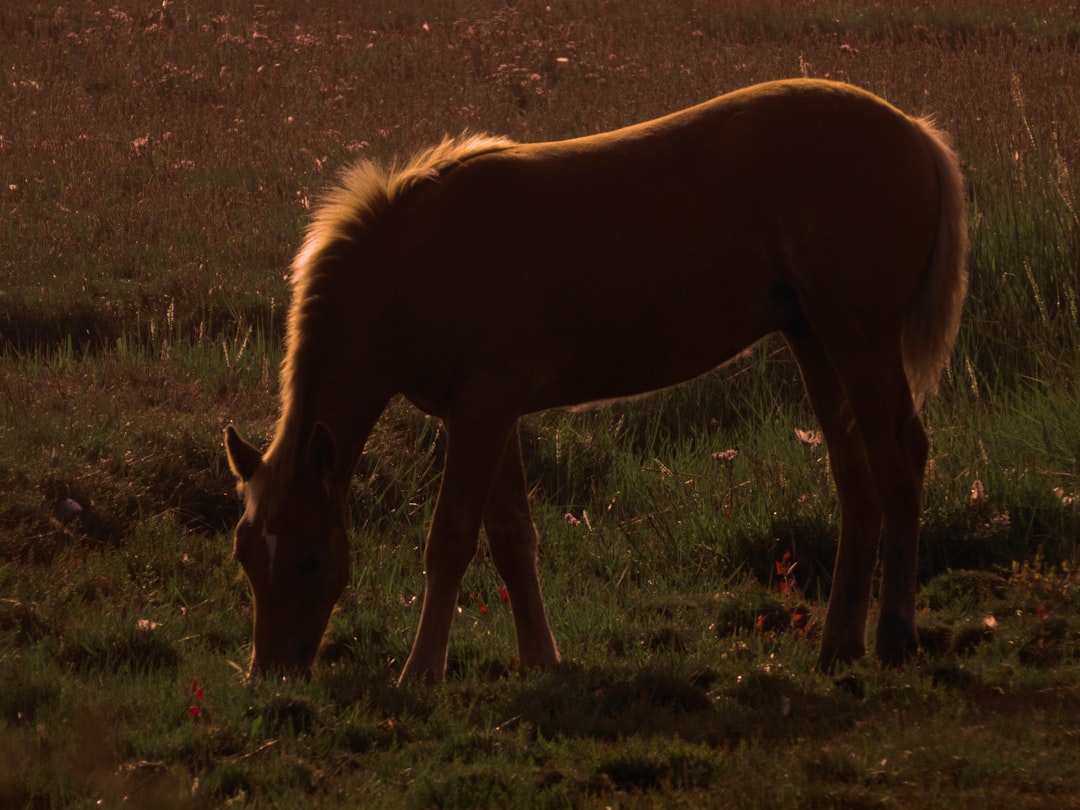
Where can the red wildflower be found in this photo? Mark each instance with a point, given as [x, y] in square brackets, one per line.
[784, 566]
[197, 711]
[800, 620]
[785, 572]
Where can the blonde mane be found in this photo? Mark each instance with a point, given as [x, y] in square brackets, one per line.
[366, 190]
[345, 213]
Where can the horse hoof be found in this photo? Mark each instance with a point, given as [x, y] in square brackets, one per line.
[829, 659]
[897, 641]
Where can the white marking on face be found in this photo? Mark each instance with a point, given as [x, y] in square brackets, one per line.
[271, 549]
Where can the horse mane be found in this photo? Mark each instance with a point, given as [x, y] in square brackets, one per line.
[366, 190]
[348, 210]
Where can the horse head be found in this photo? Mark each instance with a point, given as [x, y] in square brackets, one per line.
[292, 544]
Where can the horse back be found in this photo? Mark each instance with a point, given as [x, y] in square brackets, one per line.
[658, 251]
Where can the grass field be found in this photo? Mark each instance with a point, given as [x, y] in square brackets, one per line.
[157, 166]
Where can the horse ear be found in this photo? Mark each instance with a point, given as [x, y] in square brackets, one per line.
[322, 453]
[243, 458]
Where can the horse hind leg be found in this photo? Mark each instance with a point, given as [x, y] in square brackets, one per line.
[896, 451]
[844, 635]
[513, 543]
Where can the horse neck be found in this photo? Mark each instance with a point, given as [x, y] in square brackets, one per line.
[330, 375]
[348, 411]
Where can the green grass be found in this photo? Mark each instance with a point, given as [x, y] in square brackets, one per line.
[156, 173]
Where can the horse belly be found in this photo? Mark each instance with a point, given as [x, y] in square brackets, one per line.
[628, 350]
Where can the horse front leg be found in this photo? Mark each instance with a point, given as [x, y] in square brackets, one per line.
[513, 542]
[476, 441]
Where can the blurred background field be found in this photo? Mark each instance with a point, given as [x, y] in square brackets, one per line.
[158, 163]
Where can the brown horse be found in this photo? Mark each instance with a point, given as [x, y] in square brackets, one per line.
[808, 208]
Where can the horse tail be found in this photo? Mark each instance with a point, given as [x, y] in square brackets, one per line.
[933, 317]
